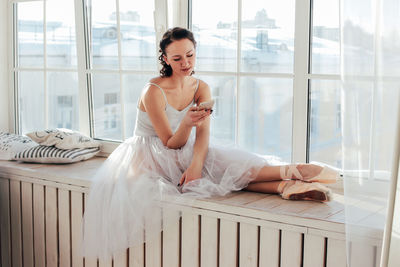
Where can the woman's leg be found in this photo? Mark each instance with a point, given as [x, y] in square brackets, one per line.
[273, 173]
[265, 187]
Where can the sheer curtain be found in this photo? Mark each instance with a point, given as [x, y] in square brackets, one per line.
[370, 57]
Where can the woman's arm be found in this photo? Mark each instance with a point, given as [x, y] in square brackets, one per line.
[200, 148]
[154, 103]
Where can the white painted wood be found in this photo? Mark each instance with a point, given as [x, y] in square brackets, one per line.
[5, 244]
[39, 225]
[336, 253]
[171, 241]
[136, 256]
[228, 242]
[89, 262]
[362, 254]
[314, 251]
[378, 256]
[105, 263]
[51, 226]
[269, 247]
[27, 224]
[248, 246]
[209, 242]
[291, 249]
[15, 204]
[153, 240]
[76, 229]
[190, 239]
[64, 228]
[120, 259]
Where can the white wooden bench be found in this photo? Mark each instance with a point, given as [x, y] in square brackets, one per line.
[41, 217]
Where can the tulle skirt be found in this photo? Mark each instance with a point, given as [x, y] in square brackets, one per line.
[130, 186]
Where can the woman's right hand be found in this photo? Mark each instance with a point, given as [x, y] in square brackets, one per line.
[194, 117]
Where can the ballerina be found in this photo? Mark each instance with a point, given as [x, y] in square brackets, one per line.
[164, 158]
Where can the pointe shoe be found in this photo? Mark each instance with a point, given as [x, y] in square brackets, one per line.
[299, 190]
[326, 176]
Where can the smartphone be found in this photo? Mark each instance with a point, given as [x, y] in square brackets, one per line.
[206, 105]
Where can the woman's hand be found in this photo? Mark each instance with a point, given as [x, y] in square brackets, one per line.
[195, 117]
[191, 173]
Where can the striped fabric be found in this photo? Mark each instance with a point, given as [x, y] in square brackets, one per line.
[51, 154]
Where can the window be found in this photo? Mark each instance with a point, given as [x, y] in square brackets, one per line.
[271, 67]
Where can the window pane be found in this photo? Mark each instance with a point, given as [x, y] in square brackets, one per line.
[265, 116]
[63, 100]
[138, 38]
[223, 123]
[107, 108]
[104, 34]
[60, 34]
[325, 37]
[30, 34]
[132, 86]
[216, 34]
[268, 36]
[31, 101]
[326, 122]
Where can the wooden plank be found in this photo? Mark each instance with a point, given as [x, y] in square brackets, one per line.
[64, 227]
[38, 225]
[16, 235]
[171, 241]
[136, 256]
[336, 253]
[291, 249]
[5, 228]
[106, 263]
[269, 247]
[89, 261]
[378, 256]
[209, 242]
[314, 251]
[228, 242]
[248, 245]
[76, 228]
[121, 259]
[190, 239]
[243, 198]
[153, 239]
[51, 226]
[27, 224]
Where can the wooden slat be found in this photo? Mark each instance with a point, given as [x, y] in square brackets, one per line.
[121, 259]
[291, 249]
[190, 239]
[228, 242]
[171, 218]
[51, 226]
[362, 254]
[336, 253]
[269, 247]
[38, 225]
[153, 239]
[27, 224]
[248, 245]
[89, 261]
[378, 256]
[16, 244]
[136, 256]
[64, 228]
[5, 244]
[209, 242]
[105, 263]
[76, 228]
[314, 251]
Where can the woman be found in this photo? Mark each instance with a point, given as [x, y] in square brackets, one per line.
[164, 159]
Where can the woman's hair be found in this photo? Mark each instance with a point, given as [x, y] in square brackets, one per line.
[174, 34]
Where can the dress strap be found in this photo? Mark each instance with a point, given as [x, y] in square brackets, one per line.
[162, 91]
[197, 87]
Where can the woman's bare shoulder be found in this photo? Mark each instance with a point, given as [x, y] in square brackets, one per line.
[203, 92]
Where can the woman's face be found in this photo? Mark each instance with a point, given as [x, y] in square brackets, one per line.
[181, 56]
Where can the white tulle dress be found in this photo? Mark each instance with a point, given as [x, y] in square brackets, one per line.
[141, 172]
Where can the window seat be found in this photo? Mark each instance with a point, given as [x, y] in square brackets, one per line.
[240, 229]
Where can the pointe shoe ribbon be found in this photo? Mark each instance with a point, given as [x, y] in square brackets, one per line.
[299, 190]
[327, 175]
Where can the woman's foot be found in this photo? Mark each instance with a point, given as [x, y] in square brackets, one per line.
[309, 173]
[299, 190]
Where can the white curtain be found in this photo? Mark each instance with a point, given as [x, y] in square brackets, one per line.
[370, 60]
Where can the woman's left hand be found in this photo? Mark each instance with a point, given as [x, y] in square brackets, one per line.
[191, 173]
